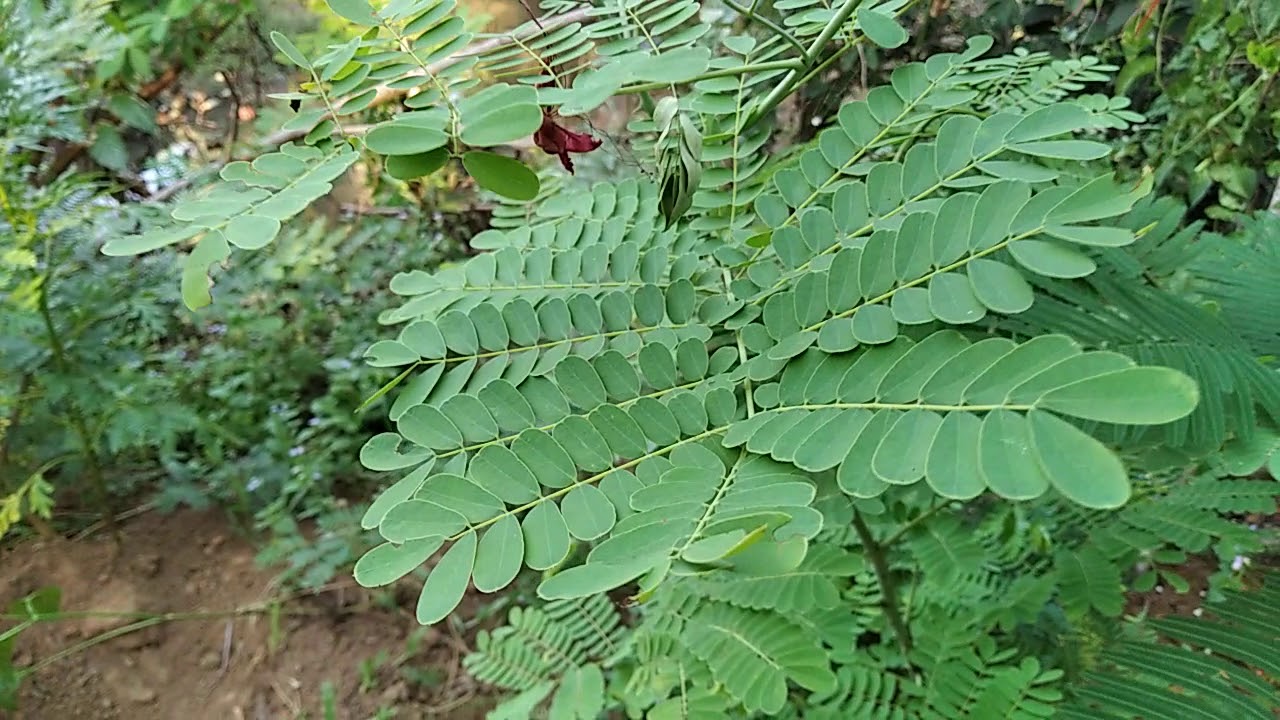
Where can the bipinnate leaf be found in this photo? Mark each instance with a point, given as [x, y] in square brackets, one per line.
[755, 655]
[1087, 579]
[246, 210]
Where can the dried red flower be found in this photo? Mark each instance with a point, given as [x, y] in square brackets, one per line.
[555, 139]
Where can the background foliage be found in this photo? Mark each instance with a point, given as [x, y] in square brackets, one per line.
[873, 403]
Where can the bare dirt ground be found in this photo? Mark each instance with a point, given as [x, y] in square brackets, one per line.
[249, 666]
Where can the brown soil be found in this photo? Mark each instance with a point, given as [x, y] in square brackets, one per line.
[1164, 601]
[232, 667]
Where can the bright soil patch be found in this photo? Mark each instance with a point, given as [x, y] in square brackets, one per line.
[226, 668]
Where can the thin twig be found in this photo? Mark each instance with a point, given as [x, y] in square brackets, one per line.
[233, 133]
[911, 524]
[119, 517]
[226, 647]
[532, 16]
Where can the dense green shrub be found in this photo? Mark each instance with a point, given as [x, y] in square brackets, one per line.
[1204, 74]
[214, 408]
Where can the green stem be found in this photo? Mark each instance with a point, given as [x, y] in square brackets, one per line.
[911, 524]
[455, 118]
[750, 14]
[830, 29]
[95, 640]
[790, 64]
[793, 79]
[888, 586]
[789, 83]
[1243, 97]
[148, 620]
[742, 356]
[816, 69]
[552, 497]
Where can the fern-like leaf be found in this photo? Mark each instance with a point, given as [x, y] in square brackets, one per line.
[1213, 668]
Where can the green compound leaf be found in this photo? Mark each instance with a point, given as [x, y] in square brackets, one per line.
[963, 417]
[757, 670]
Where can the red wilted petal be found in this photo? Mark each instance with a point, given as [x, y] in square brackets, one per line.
[559, 141]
